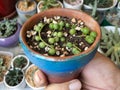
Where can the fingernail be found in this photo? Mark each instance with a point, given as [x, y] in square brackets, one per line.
[75, 85]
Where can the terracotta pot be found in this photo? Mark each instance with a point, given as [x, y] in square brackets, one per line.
[7, 7]
[60, 69]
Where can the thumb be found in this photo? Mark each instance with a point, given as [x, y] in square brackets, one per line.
[71, 85]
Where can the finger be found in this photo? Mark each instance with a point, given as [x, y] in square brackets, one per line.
[39, 79]
[71, 85]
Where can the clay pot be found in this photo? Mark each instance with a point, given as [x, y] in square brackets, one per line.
[61, 69]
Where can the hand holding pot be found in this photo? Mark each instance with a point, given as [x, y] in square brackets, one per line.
[100, 74]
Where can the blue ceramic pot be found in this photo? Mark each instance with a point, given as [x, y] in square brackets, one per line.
[60, 69]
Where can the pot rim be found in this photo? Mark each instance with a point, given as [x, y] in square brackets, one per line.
[84, 53]
[39, 10]
[81, 3]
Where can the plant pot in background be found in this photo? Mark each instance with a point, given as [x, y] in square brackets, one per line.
[14, 79]
[29, 77]
[12, 37]
[5, 65]
[60, 69]
[101, 8]
[7, 8]
[76, 4]
[99, 16]
[25, 12]
[48, 5]
[20, 61]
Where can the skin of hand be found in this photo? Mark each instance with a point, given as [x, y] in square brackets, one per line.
[99, 74]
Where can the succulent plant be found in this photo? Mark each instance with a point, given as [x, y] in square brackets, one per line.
[49, 4]
[110, 44]
[66, 36]
[20, 62]
[14, 77]
[8, 28]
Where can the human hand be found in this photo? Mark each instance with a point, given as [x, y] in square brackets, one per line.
[99, 74]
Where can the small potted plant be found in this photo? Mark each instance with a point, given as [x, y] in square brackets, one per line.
[29, 78]
[103, 5]
[5, 60]
[20, 61]
[97, 15]
[25, 9]
[73, 4]
[9, 32]
[60, 43]
[47, 4]
[14, 79]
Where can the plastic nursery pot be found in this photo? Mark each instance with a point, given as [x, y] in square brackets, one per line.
[38, 6]
[76, 6]
[61, 69]
[11, 40]
[25, 15]
[20, 85]
[9, 56]
[29, 79]
[23, 63]
[102, 9]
